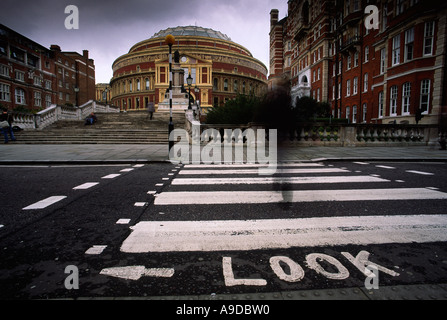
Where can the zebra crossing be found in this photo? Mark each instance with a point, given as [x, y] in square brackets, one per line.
[237, 186]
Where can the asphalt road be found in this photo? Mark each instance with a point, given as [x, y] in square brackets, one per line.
[107, 226]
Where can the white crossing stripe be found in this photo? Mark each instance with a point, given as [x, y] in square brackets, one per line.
[136, 272]
[239, 235]
[239, 197]
[255, 165]
[256, 171]
[420, 172]
[270, 180]
[86, 186]
[385, 167]
[97, 249]
[44, 203]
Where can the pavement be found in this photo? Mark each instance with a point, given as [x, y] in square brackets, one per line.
[20, 154]
[140, 153]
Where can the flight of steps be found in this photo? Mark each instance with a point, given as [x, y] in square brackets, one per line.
[111, 128]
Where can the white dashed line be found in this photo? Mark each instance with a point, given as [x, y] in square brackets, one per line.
[111, 176]
[385, 167]
[44, 203]
[140, 204]
[95, 250]
[127, 170]
[86, 186]
[123, 221]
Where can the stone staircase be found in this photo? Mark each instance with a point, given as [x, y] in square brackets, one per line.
[111, 128]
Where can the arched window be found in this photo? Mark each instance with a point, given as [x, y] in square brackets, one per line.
[148, 83]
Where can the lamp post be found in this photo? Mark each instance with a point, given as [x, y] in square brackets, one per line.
[170, 40]
[189, 82]
[76, 90]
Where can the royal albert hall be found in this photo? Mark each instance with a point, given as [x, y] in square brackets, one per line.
[220, 68]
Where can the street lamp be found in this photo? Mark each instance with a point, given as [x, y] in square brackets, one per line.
[170, 40]
[189, 82]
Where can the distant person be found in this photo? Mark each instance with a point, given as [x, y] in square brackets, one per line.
[151, 109]
[91, 119]
[6, 121]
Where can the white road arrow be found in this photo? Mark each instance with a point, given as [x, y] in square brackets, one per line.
[136, 272]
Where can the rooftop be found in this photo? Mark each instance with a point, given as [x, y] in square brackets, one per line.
[191, 31]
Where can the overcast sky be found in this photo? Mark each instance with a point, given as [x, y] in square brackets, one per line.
[109, 28]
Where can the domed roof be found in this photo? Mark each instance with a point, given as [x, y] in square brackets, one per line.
[191, 31]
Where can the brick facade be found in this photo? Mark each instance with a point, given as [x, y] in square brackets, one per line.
[33, 77]
[369, 75]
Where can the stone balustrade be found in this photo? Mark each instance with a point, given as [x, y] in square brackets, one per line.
[55, 113]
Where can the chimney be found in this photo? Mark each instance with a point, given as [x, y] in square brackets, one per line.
[274, 13]
[85, 54]
[55, 47]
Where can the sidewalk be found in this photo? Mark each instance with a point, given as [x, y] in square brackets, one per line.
[141, 153]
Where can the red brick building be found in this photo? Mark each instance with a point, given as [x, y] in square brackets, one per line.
[33, 77]
[367, 75]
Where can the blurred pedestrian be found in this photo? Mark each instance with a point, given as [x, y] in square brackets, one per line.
[6, 121]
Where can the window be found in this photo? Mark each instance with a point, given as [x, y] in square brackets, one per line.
[318, 95]
[366, 54]
[356, 59]
[406, 92]
[399, 7]
[235, 86]
[425, 96]
[130, 86]
[382, 61]
[215, 84]
[148, 83]
[348, 64]
[364, 112]
[380, 104]
[20, 76]
[355, 85]
[37, 99]
[138, 85]
[47, 101]
[226, 85]
[20, 96]
[365, 82]
[348, 88]
[5, 92]
[428, 38]
[396, 50]
[4, 70]
[48, 84]
[409, 44]
[354, 114]
[393, 101]
[348, 113]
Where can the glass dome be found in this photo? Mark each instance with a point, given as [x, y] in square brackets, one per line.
[191, 31]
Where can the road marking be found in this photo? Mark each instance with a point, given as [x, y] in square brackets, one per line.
[269, 180]
[242, 235]
[254, 165]
[138, 166]
[111, 176]
[136, 272]
[1, 225]
[385, 167]
[44, 203]
[95, 250]
[238, 197]
[123, 221]
[420, 172]
[256, 171]
[152, 192]
[361, 163]
[127, 170]
[159, 184]
[86, 186]
[140, 204]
